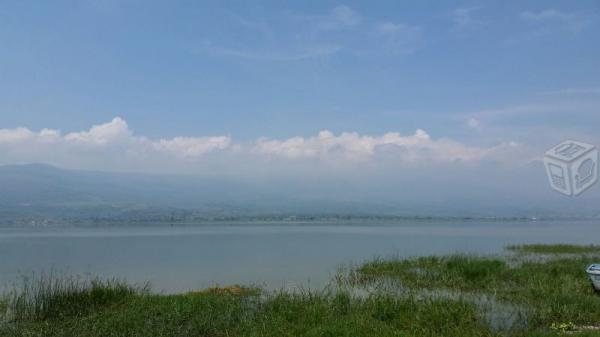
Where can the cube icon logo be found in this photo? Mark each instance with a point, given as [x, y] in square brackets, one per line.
[572, 167]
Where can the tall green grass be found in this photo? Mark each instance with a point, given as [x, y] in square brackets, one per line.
[49, 296]
[306, 313]
[342, 314]
[457, 272]
[554, 291]
[3, 308]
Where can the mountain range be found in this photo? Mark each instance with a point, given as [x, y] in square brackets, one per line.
[39, 193]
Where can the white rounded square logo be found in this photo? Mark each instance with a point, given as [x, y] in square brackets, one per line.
[572, 167]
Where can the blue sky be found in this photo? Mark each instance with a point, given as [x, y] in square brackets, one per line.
[283, 69]
[379, 101]
[388, 101]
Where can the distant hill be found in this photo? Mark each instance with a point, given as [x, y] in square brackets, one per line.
[41, 193]
[39, 184]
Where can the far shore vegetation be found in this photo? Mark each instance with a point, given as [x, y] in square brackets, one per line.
[554, 249]
[533, 290]
[158, 217]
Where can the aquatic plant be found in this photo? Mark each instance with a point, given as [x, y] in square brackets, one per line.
[54, 296]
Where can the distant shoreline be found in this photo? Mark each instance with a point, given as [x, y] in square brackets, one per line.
[275, 219]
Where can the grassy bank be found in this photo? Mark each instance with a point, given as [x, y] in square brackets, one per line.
[428, 296]
[254, 313]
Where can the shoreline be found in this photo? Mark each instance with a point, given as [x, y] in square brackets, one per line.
[533, 290]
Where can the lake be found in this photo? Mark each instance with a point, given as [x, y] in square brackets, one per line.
[175, 259]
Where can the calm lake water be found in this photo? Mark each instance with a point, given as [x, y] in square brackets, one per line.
[175, 259]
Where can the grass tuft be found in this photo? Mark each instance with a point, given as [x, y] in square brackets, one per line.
[50, 296]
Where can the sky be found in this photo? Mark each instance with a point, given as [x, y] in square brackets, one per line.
[306, 89]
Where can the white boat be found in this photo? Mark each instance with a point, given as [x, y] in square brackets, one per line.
[593, 271]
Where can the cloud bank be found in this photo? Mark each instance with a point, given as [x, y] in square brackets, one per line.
[408, 172]
[114, 146]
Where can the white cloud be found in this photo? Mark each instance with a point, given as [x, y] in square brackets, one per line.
[400, 37]
[190, 147]
[570, 21]
[463, 17]
[419, 147]
[546, 15]
[474, 123]
[539, 124]
[103, 146]
[14, 135]
[297, 37]
[344, 15]
[102, 134]
[114, 146]
[340, 17]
